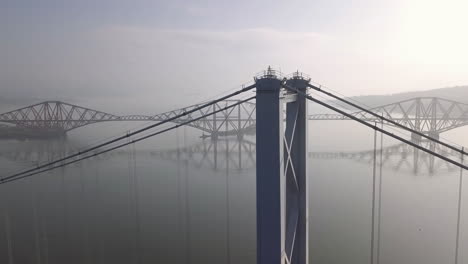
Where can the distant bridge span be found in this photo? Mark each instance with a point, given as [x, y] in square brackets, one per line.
[429, 115]
[54, 118]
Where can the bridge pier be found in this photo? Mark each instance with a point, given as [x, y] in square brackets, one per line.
[282, 200]
[240, 135]
[434, 134]
[417, 138]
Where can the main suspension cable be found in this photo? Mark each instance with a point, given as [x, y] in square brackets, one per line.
[146, 122]
[290, 88]
[342, 105]
[79, 153]
[387, 119]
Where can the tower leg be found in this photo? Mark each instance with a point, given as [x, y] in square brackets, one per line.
[296, 233]
[269, 171]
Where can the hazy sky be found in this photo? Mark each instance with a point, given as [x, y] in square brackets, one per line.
[159, 51]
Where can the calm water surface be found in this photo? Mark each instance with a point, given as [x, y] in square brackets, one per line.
[180, 199]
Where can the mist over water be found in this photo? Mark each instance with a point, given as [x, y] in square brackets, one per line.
[181, 199]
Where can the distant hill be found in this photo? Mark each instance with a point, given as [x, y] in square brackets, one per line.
[458, 93]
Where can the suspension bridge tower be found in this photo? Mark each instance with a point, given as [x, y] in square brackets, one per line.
[282, 195]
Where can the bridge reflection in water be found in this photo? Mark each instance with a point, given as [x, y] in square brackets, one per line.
[239, 154]
[398, 157]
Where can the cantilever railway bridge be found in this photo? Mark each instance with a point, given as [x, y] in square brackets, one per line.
[57, 118]
[429, 115]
